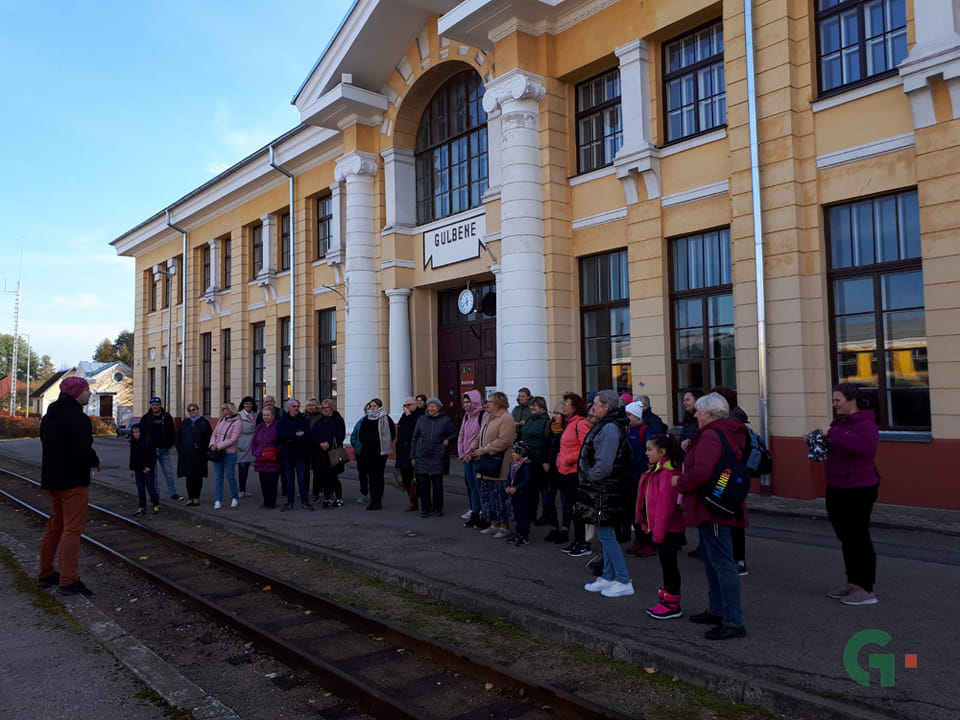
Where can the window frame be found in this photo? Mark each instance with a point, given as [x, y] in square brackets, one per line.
[226, 356]
[599, 109]
[875, 271]
[284, 359]
[206, 279]
[425, 150]
[286, 241]
[324, 225]
[151, 292]
[258, 343]
[843, 6]
[704, 293]
[227, 262]
[327, 348]
[206, 372]
[152, 382]
[693, 69]
[609, 306]
[256, 250]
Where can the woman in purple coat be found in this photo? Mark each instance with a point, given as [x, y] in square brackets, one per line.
[266, 456]
[852, 484]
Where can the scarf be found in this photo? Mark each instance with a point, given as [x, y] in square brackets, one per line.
[379, 415]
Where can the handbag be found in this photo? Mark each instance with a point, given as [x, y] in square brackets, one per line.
[338, 455]
[214, 455]
[269, 454]
[490, 465]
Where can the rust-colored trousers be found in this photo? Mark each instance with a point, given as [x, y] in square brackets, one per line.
[68, 518]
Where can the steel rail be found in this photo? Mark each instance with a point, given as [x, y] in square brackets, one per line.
[560, 703]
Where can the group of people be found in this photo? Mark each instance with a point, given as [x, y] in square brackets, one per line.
[610, 464]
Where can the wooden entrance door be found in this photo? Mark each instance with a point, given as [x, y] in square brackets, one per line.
[106, 406]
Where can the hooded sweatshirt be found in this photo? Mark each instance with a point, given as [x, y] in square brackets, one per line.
[470, 427]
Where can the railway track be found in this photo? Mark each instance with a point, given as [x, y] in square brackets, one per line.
[382, 668]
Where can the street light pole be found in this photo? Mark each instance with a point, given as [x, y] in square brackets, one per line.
[169, 273]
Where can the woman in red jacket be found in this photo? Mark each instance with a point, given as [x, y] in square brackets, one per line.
[571, 440]
[716, 546]
[852, 484]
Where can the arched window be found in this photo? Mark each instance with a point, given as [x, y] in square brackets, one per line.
[451, 149]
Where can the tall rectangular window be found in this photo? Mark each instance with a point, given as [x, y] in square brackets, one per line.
[259, 362]
[226, 355]
[877, 306]
[167, 289]
[324, 224]
[206, 278]
[599, 122]
[327, 353]
[151, 286]
[285, 340]
[256, 235]
[179, 281]
[152, 382]
[695, 96]
[605, 322]
[227, 262]
[286, 245]
[206, 372]
[859, 40]
[701, 300]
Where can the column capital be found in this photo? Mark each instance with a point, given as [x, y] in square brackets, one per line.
[634, 51]
[355, 163]
[398, 294]
[514, 85]
[496, 269]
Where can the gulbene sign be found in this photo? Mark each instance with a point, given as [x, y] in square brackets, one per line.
[454, 242]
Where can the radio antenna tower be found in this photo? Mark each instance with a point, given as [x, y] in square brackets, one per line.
[16, 335]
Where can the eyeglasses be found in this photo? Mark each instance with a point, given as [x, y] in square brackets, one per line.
[409, 404]
[192, 409]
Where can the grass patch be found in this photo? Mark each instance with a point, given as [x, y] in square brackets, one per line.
[41, 599]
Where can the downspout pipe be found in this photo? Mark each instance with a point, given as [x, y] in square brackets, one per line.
[183, 301]
[293, 270]
[763, 430]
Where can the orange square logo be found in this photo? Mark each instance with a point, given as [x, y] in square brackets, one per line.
[910, 660]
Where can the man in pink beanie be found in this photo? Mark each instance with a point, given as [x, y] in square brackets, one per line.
[66, 437]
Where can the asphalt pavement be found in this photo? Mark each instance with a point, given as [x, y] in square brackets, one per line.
[792, 659]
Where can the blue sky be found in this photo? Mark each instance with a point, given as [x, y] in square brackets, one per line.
[111, 111]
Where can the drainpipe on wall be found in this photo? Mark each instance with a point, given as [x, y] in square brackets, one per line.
[293, 271]
[181, 397]
[757, 229]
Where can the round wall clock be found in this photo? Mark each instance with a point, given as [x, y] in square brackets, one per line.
[466, 301]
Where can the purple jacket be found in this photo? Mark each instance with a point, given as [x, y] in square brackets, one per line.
[852, 456]
[265, 436]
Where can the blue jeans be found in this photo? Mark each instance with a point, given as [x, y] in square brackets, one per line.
[228, 467]
[296, 468]
[473, 485]
[614, 565]
[716, 551]
[163, 463]
[147, 482]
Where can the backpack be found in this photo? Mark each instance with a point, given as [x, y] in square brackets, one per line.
[756, 455]
[729, 484]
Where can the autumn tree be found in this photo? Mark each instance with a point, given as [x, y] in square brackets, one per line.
[106, 351]
[40, 367]
[124, 347]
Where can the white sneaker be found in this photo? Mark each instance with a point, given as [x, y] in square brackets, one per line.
[362, 499]
[234, 502]
[599, 585]
[492, 530]
[502, 534]
[467, 514]
[618, 589]
[217, 505]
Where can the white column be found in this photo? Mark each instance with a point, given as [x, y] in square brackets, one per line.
[361, 367]
[400, 187]
[214, 266]
[522, 312]
[269, 244]
[401, 376]
[635, 94]
[935, 55]
[496, 270]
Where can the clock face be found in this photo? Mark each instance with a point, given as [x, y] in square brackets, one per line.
[465, 302]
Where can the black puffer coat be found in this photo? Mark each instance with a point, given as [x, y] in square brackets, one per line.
[604, 496]
[428, 449]
[66, 437]
[193, 439]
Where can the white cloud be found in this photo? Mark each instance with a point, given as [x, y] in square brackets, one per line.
[215, 169]
[85, 301]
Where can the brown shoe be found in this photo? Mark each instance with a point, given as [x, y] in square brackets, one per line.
[412, 507]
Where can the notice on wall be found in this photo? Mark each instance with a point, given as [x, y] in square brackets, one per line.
[454, 242]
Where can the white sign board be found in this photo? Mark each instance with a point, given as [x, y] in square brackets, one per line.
[454, 242]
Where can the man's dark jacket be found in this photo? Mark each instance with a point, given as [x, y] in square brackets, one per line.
[159, 428]
[66, 437]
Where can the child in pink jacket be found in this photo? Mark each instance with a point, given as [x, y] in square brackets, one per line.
[660, 514]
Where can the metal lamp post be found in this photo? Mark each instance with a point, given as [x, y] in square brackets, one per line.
[169, 273]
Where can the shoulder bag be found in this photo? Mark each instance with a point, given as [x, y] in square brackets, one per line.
[337, 455]
[490, 465]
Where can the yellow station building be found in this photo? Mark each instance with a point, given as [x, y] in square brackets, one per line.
[570, 195]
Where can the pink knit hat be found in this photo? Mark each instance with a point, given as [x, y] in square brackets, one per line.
[74, 386]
